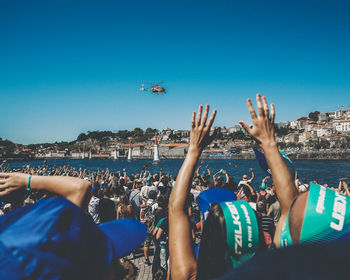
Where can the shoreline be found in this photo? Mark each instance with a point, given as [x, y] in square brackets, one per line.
[341, 156]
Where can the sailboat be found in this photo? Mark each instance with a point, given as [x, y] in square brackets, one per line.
[156, 150]
[130, 152]
[115, 152]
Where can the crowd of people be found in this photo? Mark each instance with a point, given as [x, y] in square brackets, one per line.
[186, 243]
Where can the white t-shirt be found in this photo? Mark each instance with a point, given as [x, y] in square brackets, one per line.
[244, 182]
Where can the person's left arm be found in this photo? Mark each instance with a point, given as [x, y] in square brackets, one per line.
[182, 260]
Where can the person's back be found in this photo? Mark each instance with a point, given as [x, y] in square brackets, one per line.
[125, 209]
[275, 211]
[135, 200]
[93, 207]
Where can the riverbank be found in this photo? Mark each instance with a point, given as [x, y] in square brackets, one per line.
[312, 155]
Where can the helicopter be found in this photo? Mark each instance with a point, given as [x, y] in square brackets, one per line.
[156, 89]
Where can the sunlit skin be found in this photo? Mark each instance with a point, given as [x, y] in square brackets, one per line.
[183, 264]
[296, 216]
[263, 132]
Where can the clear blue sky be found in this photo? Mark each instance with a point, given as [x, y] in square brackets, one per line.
[67, 67]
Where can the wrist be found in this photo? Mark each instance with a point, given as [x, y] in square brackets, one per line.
[269, 146]
[194, 151]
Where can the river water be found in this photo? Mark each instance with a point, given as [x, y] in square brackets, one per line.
[326, 172]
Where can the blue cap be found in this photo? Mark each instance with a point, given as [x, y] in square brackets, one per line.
[210, 196]
[55, 239]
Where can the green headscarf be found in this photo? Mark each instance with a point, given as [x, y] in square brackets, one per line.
[326, 218]
[242, 232]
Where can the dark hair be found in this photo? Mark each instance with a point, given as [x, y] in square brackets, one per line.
[213, 247]
[100, 193]
[95, 190]
[161, 274]
[152, 194]
[165, 181]
[163, 201]
[213, 250]
[247, 192]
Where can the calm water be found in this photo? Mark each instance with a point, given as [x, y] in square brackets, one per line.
[326, 172]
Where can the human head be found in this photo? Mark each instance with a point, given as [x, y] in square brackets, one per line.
[317, 216]
[152, 194]
[218, 251]
[245, 177]
[163, 201]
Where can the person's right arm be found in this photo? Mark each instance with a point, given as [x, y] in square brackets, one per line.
[76, 190]
[263, 131]
[265, 179]
[252, 174]
[226, 176]
[208, 170]
[346, 187]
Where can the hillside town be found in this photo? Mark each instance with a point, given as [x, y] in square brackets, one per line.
[318, 132]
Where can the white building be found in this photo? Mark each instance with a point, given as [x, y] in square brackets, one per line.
[323, 131]
[343, 126]
[234, 128]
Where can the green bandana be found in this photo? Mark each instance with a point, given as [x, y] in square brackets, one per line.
[242, 230]
[326, 218]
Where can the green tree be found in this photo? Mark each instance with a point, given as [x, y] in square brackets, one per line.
[82, 137]
[314, 116]
[137, 132]
[150, 131]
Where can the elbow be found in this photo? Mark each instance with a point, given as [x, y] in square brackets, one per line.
[171, 204]
[82, 194]
[175, 204]
[184, 273]
[84, 188]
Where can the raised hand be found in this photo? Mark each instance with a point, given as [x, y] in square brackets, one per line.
[200, 131]
[264, 132]
[263, 124]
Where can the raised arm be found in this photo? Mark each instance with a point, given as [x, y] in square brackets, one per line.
[226, 176]
[346, 187]
[265, 179]
[263, 131]
[208, 170]
[214, 177]
[339, 186]
[253, 175]
[182, 260]
[197, 172]
[74, 189]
